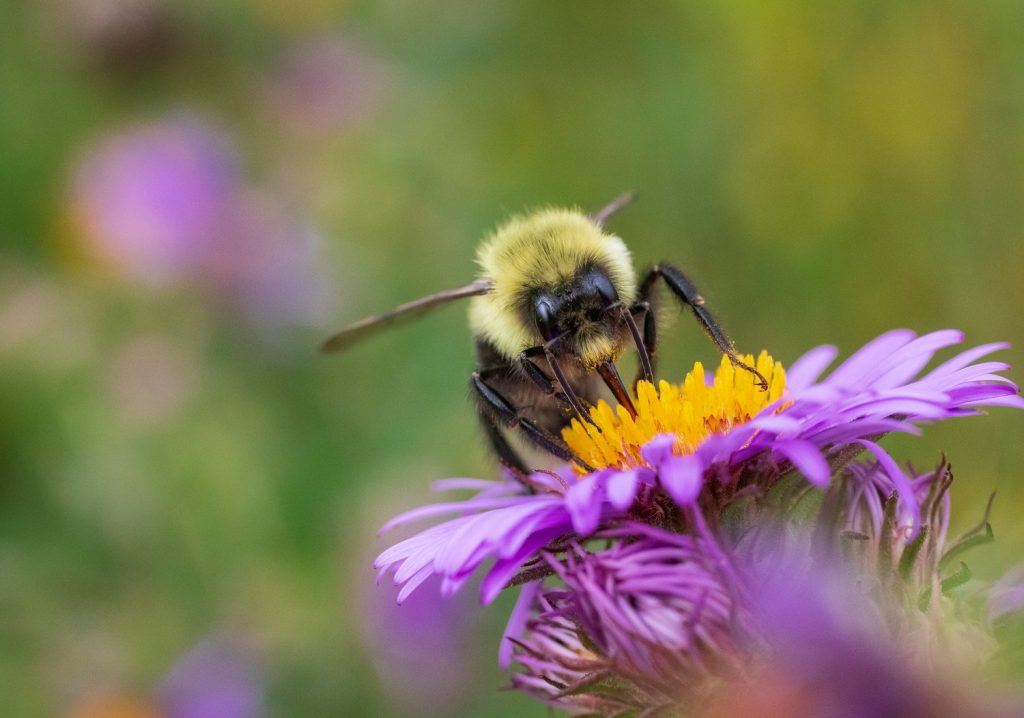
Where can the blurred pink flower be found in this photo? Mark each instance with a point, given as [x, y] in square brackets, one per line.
[321, 85]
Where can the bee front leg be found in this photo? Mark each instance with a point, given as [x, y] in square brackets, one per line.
[539, 377]
[499, 410]
[685, 291]
[645, 339]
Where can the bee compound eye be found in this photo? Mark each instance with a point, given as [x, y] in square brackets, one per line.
[544, 312]
[601, 285]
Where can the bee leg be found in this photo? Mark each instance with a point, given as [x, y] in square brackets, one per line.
[687, 293]
[500, 410]
[582, 413]
[507, 455]
[539, 377]
[645, 342]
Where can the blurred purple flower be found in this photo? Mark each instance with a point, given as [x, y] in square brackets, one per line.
[216, 679]
[1007, 595]
[152, 199]
[165, 203]
[818, 427]
[421, 650]
[821, 643]
[266, 265]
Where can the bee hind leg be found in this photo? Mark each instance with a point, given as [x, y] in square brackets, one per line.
[507, 456]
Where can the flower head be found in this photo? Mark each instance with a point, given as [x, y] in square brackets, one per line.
[655, 613]
[691, 412]
[728, 540]
[812, 429]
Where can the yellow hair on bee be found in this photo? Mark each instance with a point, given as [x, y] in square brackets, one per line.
[546, 249]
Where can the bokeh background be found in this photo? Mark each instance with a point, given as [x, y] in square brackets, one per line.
[195, 193]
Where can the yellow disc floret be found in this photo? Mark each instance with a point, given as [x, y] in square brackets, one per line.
[692, 411]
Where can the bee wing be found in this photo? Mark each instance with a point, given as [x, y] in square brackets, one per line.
[402, 313]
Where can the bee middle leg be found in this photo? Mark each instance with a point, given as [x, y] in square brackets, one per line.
[497, 410]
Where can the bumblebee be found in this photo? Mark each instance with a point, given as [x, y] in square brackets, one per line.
[556, 304]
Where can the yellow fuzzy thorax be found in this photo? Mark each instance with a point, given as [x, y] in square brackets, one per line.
[545, 248]
[692, 411]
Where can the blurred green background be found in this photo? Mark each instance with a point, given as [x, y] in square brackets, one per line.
[194, 194]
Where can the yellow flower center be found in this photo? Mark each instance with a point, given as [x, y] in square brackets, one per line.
[692, 411]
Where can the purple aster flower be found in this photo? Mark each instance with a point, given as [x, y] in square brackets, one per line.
[660, 623]
[711, 443]
[654, 617]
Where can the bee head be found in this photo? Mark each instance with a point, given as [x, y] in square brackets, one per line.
[577, 317]
[553, 274]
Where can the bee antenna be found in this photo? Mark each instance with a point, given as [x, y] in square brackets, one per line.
[604, 214]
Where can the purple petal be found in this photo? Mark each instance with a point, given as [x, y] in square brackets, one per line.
[517, 622]
[622, 486]
[583, 501]
[413, 583]
[1016, 402]
[891, 406]
[474, 504]
[980, 393]
[807, 458]
[503, 571]
[964, 358]
[901, 482]
[775, 423]
[658, 449]
[682, 477]
[868, 357]
[806, 370]
[910, 360]
[847, 432]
